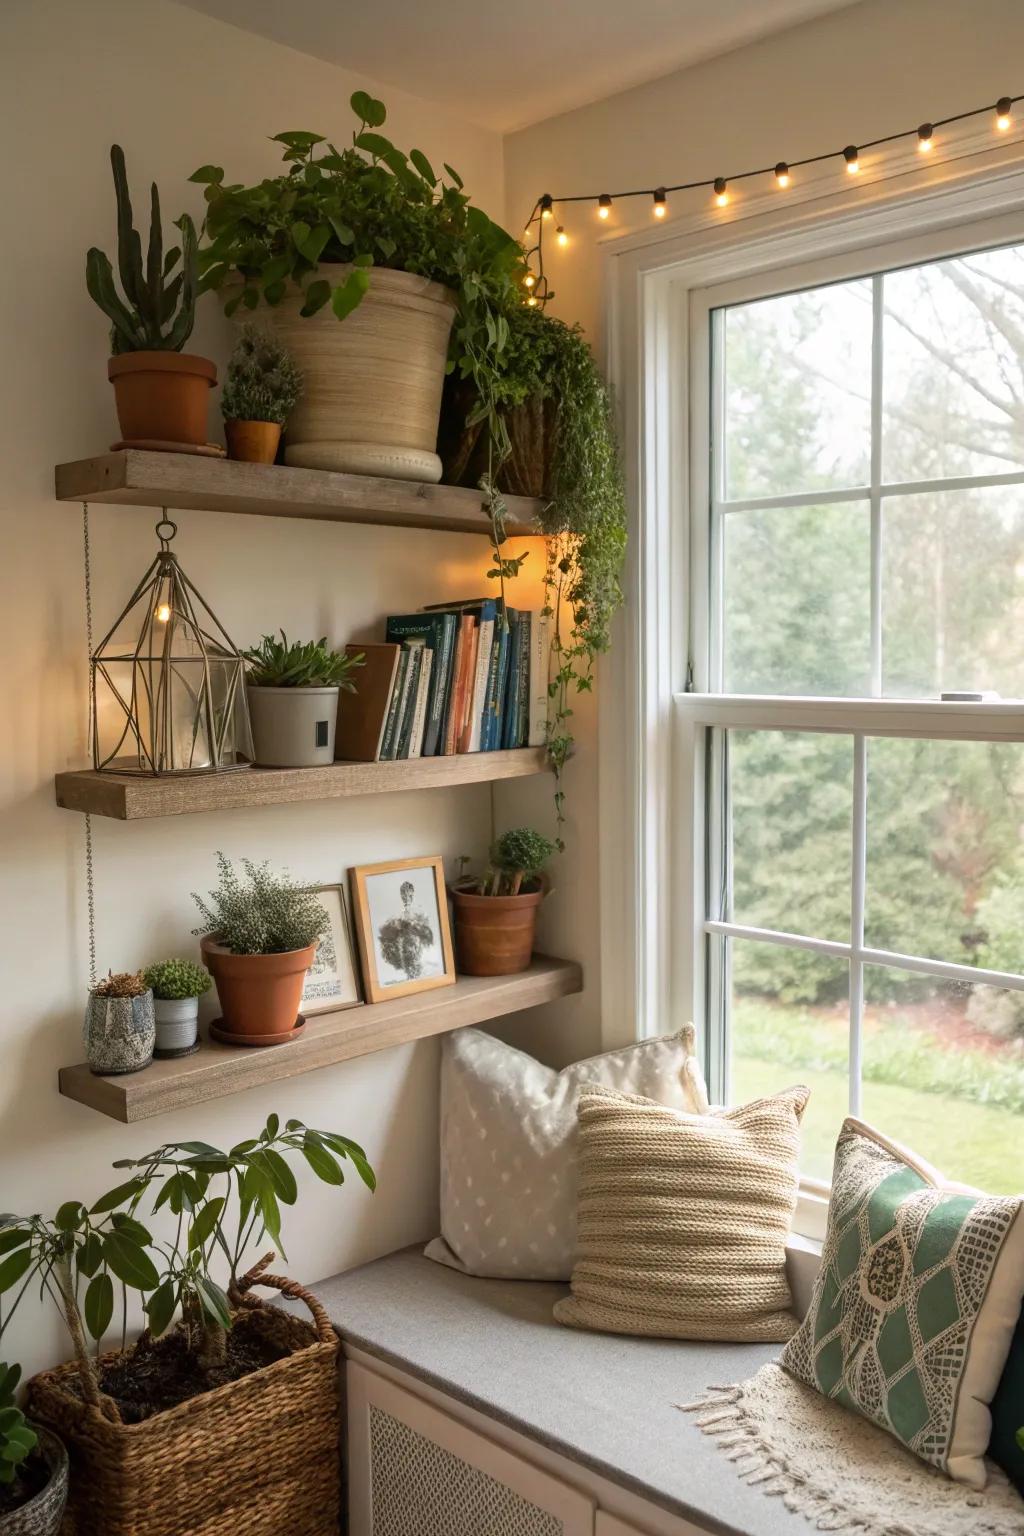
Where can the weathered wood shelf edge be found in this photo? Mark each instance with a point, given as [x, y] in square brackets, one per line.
[138, 478]
[126, 797]
[217, 1070]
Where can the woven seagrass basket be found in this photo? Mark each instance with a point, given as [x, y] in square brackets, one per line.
[256, 1457]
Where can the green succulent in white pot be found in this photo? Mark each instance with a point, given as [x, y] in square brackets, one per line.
[294, 689]
[177, 986]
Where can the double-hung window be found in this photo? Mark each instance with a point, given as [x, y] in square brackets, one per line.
[854, 702]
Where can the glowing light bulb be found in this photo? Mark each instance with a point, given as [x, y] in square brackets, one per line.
[604, 206]
[660, 204]
[561, 236]
[782, 174]
[852, 159]
[546, 213]
[721, 191]
[532, 301]
[529, 280]
[163, 613]
[925, 138]
[1003, 118]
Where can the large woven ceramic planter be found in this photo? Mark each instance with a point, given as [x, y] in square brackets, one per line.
[371, 392]
[42, 1515]
[259, 1456]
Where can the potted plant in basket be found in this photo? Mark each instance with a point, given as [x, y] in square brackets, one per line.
[293, 691]
[177, 986]
[496, 914]
[33, 1468]
[259, 938]
[373, 238]
[224, 1416]
[120, 1028]
[259, 395]
[161, 392]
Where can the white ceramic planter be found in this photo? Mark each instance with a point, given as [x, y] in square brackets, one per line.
[293, 727]
[177, 1025]
[371, 391]
[120, 1033]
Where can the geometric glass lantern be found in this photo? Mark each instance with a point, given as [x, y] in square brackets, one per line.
[168, 685]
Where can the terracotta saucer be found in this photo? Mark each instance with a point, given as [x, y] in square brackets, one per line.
[230, 1037]
[155, 445]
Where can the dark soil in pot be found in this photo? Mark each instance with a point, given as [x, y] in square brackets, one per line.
[31, 1478]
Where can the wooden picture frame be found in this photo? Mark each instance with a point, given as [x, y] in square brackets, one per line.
[405, 942]
[340, 985]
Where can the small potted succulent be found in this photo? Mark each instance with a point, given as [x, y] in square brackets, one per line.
[496, 913]
[120, 1027]
[33, 1469]
[177, 986]
[161, 392]
[293, 691]
[258, 938]
[260, 391]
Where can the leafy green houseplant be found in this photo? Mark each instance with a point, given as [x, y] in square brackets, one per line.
[120, 1028]
[294, 690]
[496, 912]
[259, 936]
[160, 391]
[177, 986]
[259, 394]
[178, 1233]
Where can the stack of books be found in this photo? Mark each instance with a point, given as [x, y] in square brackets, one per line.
[457, 677]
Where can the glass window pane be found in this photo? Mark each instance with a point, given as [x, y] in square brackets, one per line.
[790, 799]
[797, 599]
[944, 1075]
[953, 593]
[945, 870]
[954, 367]
[789, 1023]
[798, 392]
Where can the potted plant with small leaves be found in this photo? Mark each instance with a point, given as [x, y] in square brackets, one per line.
[120, 1026]
[33, 1468]
[259, 937]
[224, 1416]
[161, 393]
[496, 913]
[177, 986]
[259, 394]
[294, 689]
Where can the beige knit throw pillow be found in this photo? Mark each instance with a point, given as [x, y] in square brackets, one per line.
[682, 1219]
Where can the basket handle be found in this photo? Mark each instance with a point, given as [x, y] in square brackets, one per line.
[291, 1288]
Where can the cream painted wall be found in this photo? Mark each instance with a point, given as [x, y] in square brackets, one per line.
[176, 89]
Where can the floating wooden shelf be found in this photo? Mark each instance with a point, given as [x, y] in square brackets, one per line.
[128, 798]
[219, 1070]
[138, 478]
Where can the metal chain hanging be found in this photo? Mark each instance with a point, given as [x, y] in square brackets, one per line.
[90, 894]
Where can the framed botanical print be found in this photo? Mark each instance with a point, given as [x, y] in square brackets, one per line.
[332, 981]
[401, 913]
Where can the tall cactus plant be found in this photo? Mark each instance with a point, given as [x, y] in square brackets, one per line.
[158, 310]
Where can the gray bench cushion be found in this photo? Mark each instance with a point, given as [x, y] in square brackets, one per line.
[604, 1401]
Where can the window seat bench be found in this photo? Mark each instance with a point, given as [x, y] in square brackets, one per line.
[467, 1400]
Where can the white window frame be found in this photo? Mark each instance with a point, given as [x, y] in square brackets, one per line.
[653, 733]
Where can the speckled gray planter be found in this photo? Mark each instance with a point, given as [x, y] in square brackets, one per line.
[120, 1033]
[42, 1515]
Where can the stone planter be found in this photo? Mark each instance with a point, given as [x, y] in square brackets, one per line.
[293, 727]
[177, 1026]
[42, 1515]
[372, 383]
[120, 1033]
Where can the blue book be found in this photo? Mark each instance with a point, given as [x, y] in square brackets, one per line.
[501, 690]
[507, 718]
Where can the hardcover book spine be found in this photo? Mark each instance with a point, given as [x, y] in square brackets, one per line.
[522, 713]
[419, 719]
[469, 688]
[485, 645]
[442, 687]
[387, 750]
[453, 719]
[540, 662]
[507, 713]
[416, 648]
[490, 711]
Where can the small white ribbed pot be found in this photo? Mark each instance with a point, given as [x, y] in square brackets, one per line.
[177, 1025]
[293, 727]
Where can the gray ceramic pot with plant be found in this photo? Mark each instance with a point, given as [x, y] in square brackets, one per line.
[177, 986]
[293, 692]
[33, 1468]
[120, 1025]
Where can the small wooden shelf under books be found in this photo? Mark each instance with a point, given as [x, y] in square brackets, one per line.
[217, 1070]
[127, 797]
[139, 478]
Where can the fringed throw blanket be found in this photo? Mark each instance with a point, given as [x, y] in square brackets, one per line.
[841, 1472]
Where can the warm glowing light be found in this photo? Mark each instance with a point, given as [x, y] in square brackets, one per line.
[852, 159]
[529, 280]
[532, 301]
[561, 236]
[1003, 118]
[163, 613]
[925, 137]
[721, 191]
[546, 213]
[782, 174]
[660, 204]
[604, 206]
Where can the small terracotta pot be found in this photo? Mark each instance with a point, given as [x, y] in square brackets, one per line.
[259, 994]
[162, 395]
[494, 934]
[252, 442]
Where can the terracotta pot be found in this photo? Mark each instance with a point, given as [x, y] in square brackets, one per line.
[494, 934]
[371, 384]
[162, 395]
[259, 994]
[252, 442]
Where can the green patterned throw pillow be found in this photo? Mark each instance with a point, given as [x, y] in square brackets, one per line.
[915, 1303]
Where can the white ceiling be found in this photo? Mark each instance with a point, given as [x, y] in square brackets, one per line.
[507, 63]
